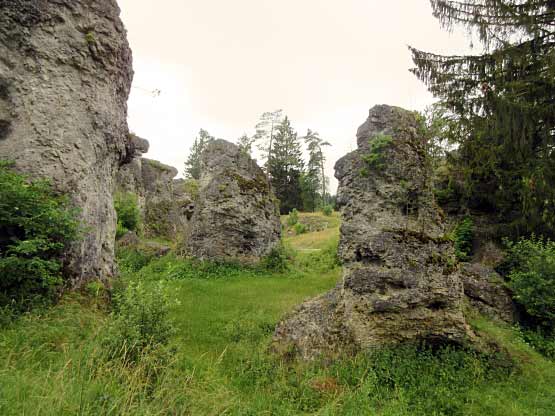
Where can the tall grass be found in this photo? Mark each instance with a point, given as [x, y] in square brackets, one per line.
[217, 361]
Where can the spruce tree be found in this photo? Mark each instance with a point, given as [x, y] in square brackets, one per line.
[193, 163]
[504, 103]
[285, 167]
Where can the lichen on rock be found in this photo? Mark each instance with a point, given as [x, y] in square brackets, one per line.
[400, 283]
[235, 218]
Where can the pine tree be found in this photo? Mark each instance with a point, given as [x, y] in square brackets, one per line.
[504, 103]
[314, 180]
[193, 164]
[285, 167]
[266, 130]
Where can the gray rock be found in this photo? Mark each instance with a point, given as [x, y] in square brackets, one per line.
[487, 292]
[65, 75]
[236, 217]
[165, 205]
[400, 282]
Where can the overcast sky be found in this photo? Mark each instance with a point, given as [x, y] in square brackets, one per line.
[219, 64]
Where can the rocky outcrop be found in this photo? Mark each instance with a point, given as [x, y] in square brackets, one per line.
[166, 205]
[236, 217]
[65, 75]
[399, 282]
[487, 292]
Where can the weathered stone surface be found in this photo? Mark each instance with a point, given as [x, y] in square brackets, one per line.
[166, 206]
[399, 282]
[487, 292]
[65, 74]
[236, 217]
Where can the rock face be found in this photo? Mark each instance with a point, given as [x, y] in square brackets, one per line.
[399, 281]
[165, 204]
[236, 217]
[486, 291]
[65, 74]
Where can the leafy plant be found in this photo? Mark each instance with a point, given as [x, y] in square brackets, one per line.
[532, 278]
[327, 210]
[293, 217]
[140, 321]
[277, 260]
[129, 215]
[300, 228]
[463, 236]
[36, 228]
[375, 157]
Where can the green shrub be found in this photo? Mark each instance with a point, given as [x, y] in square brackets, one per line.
[293, 217]
[462, 237]
[277, 260]
[374, 159]
[541, 341]
[300, 228]
[327, 210]
[140, 321]
[129, 215]
[36, 228]
[532, 278]
[133, 259]
[191, 187]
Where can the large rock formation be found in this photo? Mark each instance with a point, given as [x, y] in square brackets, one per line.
[65, 74]
[165, 204]
[400, 283]
[236, 217]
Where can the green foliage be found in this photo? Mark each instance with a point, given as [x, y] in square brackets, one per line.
[133, 259]
[462, 237]
[532, 278]
[327, 210]
[293, 217]
[36, 228]
[277, 260]
[90, 38]
[502, 103]
[191, 187]
[285, 167]
[300, 228]
[193, 165]
[540, 340]
[129, 215]
[140, 320]
[375, 158]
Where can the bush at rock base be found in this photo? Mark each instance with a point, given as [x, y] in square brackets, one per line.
[36, 227]
[532, 278]
[129, 215]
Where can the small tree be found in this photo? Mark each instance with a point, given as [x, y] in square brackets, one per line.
[245, 144]
[193, 163]
[316, 180]
[36, 228]
[266, 129]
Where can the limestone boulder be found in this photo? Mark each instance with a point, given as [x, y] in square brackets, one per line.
[165, 203]
[400, 282]
[236, 217]
[487, 292]
[65, 75]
